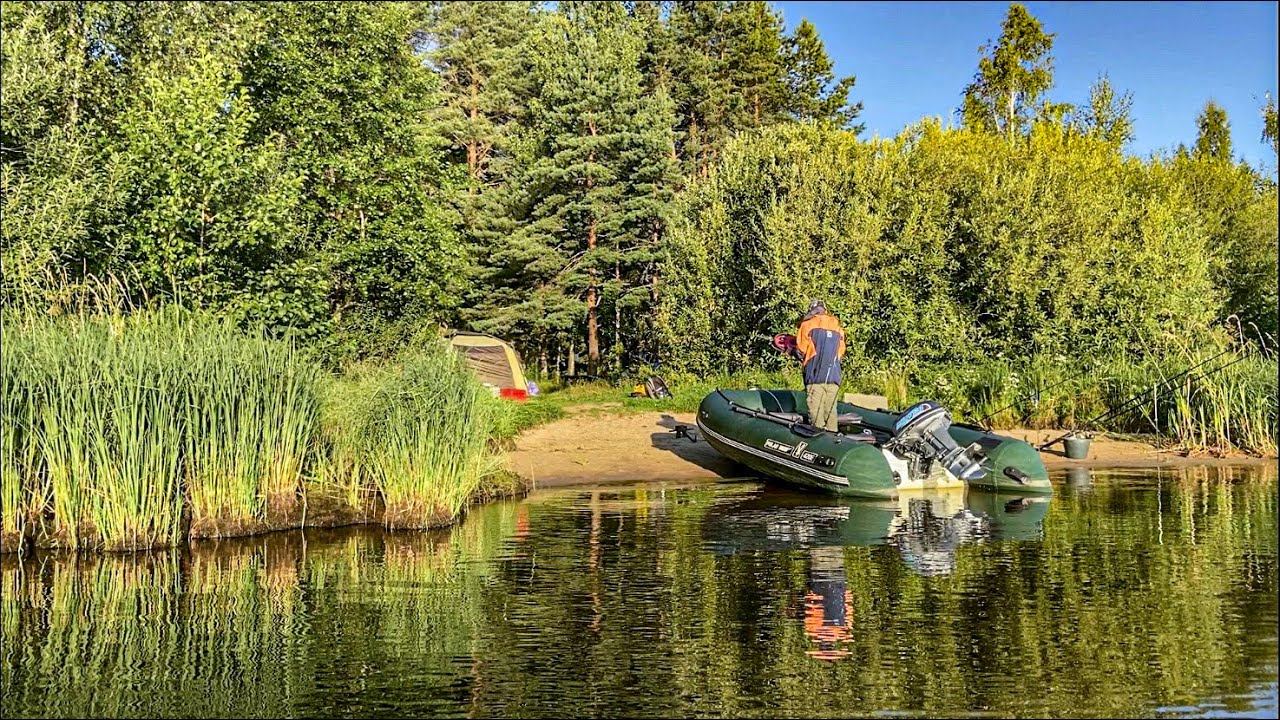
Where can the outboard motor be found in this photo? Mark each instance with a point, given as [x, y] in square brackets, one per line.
[921, 434]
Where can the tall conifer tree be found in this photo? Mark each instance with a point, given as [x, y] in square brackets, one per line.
[813, 91]
[1214, 137]
[600, 177]
[474, 48]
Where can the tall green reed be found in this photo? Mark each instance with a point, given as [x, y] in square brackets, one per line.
[417, 430]
[1233, 407]
[252, 417]
[114, 423]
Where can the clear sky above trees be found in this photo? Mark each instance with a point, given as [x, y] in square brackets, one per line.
[914, 59]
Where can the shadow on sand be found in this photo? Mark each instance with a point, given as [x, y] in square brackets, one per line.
[693, 448]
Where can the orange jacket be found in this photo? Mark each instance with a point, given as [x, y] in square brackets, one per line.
[820, 340]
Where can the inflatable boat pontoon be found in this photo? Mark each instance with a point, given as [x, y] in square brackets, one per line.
[875, 454]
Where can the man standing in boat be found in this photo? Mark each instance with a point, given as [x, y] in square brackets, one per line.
[820, 345]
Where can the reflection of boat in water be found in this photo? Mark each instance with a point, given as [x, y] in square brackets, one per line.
[920, 522]
[927, 529]
[927, 532]
[1012, 517]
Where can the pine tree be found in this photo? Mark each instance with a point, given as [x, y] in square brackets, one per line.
[1108, 115]
[599, 182]
[754, 64]
[474, 50]
[1012, 75]
[814, 93]
[1214, 139]
[701, 91]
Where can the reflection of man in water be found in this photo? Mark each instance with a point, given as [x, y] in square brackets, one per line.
[828, 606]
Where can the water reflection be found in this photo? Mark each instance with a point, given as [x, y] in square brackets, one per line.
[1137, 593]
[828, 604]
[926, 529]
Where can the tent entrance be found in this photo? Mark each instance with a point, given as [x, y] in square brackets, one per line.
[490, 364]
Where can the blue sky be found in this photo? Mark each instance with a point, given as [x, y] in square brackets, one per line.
[913, 59]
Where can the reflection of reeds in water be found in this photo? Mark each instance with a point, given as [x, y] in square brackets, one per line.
[1138, 593]
[79, 620]
[223, 627]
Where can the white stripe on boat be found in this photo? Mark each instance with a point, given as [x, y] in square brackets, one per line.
[833, 479]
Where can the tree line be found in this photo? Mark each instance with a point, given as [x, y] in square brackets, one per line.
[355, 172]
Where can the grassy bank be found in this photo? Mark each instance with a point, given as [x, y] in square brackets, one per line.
[131, 431]
[1176, 397]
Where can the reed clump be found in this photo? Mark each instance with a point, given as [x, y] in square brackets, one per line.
[1209, 398]
[418, 432]
[122, 428]
[134, 430]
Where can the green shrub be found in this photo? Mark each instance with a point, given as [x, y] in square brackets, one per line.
[947, 246]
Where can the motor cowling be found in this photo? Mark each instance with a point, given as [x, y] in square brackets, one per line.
[922, 430]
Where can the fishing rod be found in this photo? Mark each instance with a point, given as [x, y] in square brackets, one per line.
[983, 420]
[1139, 397]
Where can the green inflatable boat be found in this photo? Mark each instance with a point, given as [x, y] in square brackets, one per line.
[876, 453]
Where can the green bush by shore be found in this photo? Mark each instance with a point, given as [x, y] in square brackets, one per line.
[132, 431]
[953, 247]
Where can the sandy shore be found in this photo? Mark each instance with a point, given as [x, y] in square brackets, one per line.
[589, 447]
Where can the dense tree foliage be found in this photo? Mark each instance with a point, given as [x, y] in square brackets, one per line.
[943, 245]
[1214, 138]
[274, 161]
[601, 112]
[612, 184]
[1107, 115]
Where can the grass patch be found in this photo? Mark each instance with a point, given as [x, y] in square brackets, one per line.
[1231, 409]
[687, 391]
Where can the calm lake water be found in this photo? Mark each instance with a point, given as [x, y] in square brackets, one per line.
[1128, 593]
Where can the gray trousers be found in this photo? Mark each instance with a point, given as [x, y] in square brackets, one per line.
[822, 405]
